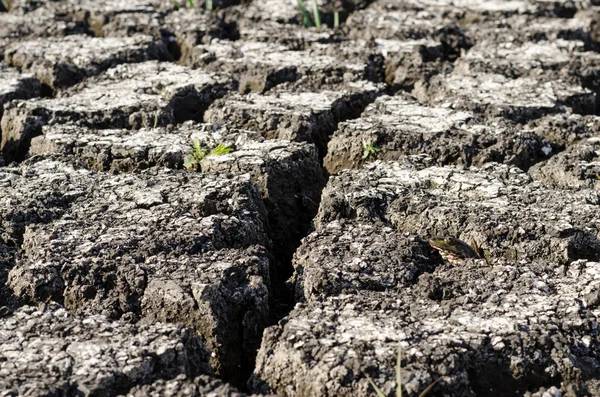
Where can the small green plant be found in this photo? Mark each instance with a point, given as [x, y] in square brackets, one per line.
[316, 14]
[307, 21]
[380, 393]
[176, 5]
[369, 148]
[209, 5]
[4, 4]
[336, 19]
[191, 4]
[220, 150]
[198, 152]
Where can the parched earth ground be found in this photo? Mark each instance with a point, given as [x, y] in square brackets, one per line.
[296, 264]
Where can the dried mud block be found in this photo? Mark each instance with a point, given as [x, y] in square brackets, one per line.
[532, 28]
[305, 116]
[128, 96]
[565, 129]
[507, 329]
[576, 167]
[161, 244]
[284, 34]
[51, 352]
[290, 177]
[407, 62]
[491, 9]
[288, 174]
[399, 25]
[544, 60]
[399, 126]
[261, 66]
[115, 17]
[287, 11]
[515, 60]
[224, 295]
[497, 206]
[494, 95]
[400, 63]
[63, 62]
[344, 257]
[37, 194]
[7, 259]
[41, 22]
[191, 27]
[129, 150]
[201, 386]
[14, 85]
[407, 25]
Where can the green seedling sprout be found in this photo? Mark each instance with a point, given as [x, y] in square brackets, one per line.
[220, 150]
[336, 19]
[4, 4]
[369, 148]
[209, 5]
[198, 153]
[190, 3]
[305, 16]
[316, 14]
[380, 393]
[306, 20]
[176, 5]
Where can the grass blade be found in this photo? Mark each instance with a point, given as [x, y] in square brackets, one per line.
[377, 390]
[209, 5]
[305, 15]
[316, 14]
[336, 19]
[191, 3]
[398, 371]
[220, 150]
[4, 4]
[429, 387]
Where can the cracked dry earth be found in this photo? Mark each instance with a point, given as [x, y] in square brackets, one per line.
[297, 263]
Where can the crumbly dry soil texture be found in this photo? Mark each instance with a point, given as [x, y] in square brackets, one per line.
[224, 202]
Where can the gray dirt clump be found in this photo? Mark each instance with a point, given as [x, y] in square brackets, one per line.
[15, 85]
[514, 327]
[494, 95]
[398, 126]
[407, 25]
[117, 17]
[514, 60]
[497, 206]
[565, 129]
[128, 96]
[260, 66]
[288, 174]
[190, 27]
[201, 386]
[37, 194]
[286, 12]
[368, 258]
[43, 21]
[63, 62]
[576, 167]
[523, 28]
[290, 178]
[51, 352]
[283, 34]
[157, 245]
[304, 116]
[121, 150]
